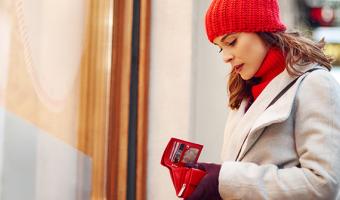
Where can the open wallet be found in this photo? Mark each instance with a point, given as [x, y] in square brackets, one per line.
[176, 155]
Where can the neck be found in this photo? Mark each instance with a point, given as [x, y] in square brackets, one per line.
[272, 65]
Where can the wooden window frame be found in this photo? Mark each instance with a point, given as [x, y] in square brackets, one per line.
[120, 119]
[94, 94]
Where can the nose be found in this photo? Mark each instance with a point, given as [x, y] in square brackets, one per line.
[227, 56]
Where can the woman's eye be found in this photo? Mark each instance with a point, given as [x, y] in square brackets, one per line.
[232, 43]
[220, 50]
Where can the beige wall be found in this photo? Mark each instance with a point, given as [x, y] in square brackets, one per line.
[170, 87]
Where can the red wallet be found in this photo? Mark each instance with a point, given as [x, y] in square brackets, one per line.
[177, 153]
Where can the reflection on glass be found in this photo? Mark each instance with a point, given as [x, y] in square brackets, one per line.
[42, 48]
[52, 34]
[38, 166]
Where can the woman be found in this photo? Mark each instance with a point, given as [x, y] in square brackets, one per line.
[282, 137]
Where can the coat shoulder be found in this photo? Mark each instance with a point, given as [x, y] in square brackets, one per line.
[321, 76]
[319, 81]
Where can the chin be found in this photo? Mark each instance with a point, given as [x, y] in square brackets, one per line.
[244, 77]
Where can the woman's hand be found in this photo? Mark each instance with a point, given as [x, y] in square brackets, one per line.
[208, 187]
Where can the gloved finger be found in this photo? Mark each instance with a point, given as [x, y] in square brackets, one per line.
[200, 166]
[210, 167]
[191, 165]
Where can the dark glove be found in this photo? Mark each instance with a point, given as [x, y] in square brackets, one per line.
[207, 189]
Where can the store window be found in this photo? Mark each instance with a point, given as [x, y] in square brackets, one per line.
[55, 61]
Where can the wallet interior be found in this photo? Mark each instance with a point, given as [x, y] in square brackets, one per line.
[176, 155]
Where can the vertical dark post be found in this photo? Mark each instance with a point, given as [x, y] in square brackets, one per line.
[132, 141]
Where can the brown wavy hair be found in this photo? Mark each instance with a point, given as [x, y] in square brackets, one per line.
[298, 50]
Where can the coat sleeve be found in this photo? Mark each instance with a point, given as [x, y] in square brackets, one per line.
[317, 137]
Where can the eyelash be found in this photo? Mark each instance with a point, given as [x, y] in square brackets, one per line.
[230, 44]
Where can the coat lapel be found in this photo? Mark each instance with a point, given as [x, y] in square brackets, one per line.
[257, 109]
[234, 117]
[278, 112]
[240, 123]
[241, 131]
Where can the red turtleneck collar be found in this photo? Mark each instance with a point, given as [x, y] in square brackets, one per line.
[272, 65]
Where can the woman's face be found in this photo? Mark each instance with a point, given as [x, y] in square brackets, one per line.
[244, 51]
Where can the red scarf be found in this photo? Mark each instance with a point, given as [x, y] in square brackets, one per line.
[272, 65]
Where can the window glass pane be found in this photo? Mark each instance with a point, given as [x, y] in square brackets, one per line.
[45, 81]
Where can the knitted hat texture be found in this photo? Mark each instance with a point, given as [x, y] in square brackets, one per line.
[233, 16]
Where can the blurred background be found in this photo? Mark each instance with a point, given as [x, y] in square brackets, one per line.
[92, 91]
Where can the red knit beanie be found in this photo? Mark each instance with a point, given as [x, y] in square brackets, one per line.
[233, 16]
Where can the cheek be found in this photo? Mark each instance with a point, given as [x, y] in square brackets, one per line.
[252, 52]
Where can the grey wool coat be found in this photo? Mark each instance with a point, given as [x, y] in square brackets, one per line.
[290, 150]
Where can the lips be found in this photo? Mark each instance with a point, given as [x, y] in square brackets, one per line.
[238, 68]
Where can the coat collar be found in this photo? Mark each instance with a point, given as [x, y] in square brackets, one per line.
[243, 129]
